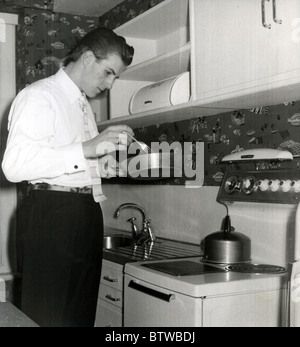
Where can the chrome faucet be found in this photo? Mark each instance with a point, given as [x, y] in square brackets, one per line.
[144, 236]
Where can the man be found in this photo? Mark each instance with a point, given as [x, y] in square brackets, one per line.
[54, 144]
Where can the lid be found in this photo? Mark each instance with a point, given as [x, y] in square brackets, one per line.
[258, 154]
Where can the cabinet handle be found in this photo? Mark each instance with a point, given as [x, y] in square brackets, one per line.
[111, 298]
[276, 20]
[152, 292]
[110, 280]
[263, 11]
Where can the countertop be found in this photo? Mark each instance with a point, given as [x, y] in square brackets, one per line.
[12, 317]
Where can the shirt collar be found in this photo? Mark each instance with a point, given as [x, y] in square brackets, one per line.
[69, 87]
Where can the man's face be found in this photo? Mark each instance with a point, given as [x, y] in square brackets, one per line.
[101, 74]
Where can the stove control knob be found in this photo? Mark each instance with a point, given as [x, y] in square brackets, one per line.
[274, 185]
[263, 185]
[249, 185]
[231, 184]
[286, 185]
[296, 186]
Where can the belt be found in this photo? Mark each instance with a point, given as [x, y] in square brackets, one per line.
[56, 188]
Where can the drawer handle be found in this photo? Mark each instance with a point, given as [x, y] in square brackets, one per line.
[152, 292]
[111, 298]
[110, 280]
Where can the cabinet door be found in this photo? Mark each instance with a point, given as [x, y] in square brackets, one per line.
[232, 50]
[108, 315]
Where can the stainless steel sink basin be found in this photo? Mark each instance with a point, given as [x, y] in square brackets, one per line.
[115, 241]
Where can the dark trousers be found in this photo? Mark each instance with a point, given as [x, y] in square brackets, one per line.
[61, 258]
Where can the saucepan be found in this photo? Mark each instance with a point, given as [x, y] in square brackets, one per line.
[149, 165]
[152, 166]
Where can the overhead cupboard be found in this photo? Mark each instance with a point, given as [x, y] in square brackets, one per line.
[235, 54]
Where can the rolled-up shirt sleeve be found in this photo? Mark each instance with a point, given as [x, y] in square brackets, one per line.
[39, 145]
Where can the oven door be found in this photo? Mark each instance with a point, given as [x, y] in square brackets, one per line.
[147, 305]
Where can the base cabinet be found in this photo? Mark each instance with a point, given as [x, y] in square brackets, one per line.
[110, 297]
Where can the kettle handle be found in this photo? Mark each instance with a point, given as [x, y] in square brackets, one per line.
[227, 227]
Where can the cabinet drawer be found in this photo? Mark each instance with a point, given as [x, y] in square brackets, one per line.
[111, 295]
[108, 315]
[112, 277]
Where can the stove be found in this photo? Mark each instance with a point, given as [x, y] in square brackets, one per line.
[191, 292]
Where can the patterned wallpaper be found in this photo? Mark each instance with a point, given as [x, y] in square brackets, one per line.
[275, 127]
[44, 38]
[47, 39]
[126, 11]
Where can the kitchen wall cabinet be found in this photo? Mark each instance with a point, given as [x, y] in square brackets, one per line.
[238, 61]
[234, 61]
[110, 298]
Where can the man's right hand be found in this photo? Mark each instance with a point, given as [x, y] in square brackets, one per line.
[112, 139]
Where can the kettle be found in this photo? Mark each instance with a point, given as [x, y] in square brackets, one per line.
[227, 246]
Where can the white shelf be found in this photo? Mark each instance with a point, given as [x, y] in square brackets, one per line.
[167, 65]
[154, 23]
[281, 90]
[163, 115]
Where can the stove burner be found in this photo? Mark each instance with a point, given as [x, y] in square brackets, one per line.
[256, 269]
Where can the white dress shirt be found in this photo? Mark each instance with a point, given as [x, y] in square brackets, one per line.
[46, 132]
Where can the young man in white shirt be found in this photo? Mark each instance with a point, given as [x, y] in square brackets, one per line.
[55, 146]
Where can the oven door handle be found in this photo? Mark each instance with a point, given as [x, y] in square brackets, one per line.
[152, 292]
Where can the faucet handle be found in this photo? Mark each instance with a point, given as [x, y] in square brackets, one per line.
[133, 226]
[148, 230]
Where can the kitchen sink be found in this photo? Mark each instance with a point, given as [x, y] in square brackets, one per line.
[118, 248]
[116, 241]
